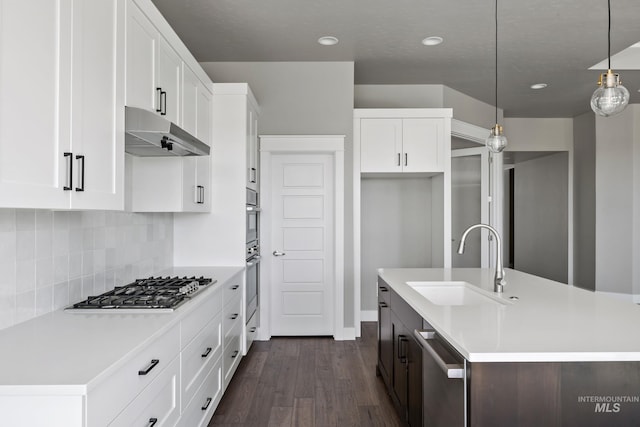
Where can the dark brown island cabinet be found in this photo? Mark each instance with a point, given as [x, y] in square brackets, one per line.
[432, 385]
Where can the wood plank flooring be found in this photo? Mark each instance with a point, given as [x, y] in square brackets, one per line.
[310, 382]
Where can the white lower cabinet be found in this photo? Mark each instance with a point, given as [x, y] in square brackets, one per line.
[158, 405]
[206, 399]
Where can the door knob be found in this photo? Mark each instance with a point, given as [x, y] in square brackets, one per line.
[276, 253]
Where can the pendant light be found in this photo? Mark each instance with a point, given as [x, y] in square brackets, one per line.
[611, 97]
[496, 141]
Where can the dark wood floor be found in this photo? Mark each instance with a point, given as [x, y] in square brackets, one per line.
[308, 382]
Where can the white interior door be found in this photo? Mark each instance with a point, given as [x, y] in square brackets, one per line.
[469, 205]
[302, 230]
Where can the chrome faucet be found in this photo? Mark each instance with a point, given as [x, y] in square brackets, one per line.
[498, 281]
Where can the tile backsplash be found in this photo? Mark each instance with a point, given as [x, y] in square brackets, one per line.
[49, 259]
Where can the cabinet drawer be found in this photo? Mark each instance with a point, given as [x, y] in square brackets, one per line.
[232, 313]
[158, 401]
[205, 400]
[112, 395]
[192, 324]
[232, 352]
[199, 356]
[232, 288]
[251, 332]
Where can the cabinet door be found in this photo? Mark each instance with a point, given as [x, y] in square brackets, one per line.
[400, 342]
[190, 100]
[35, 70]
[142, 45]
[203, 170]
[252, 149]
[196, 188]
[381, 145]
[204, 111]
[414, 383]
[423, 145]
[385, 341]
[169, 81]
[98, 99]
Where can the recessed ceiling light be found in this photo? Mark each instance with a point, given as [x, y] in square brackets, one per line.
[328, 40]
[538, 86]
[432, 41]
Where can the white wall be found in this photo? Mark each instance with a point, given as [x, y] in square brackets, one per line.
[301, 98]
[617, 192]
[541, 217]
[533, 134]
[470, 110]
[49, 259]
[584, 202]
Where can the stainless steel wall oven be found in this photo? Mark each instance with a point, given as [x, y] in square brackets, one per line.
[253, 253]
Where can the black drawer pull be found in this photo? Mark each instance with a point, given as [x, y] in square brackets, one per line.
[253, 329]
[152, 422]
[163, 103]
[159, 99]
[383, 289]
[235, 354]
[69, 172]
[234, 287]
[80, 158]
[148, 369]
[206, 352]
[383, 304]
[207, 403]
[234, 316]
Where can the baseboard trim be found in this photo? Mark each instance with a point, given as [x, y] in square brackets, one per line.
[347, 334]
[369, 315]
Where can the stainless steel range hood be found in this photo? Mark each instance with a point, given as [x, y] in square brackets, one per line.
[148, 134]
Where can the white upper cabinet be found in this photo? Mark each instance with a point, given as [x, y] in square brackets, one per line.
[401, 145]
[142, 45]
[204, 111]
[252, 149]
[61, 104]
[169, 81]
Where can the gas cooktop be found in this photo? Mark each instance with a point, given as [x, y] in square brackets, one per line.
[157, 294]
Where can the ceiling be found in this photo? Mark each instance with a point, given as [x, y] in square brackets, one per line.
[548, 41]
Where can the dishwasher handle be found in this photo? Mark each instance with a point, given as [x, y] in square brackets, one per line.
[424, 338]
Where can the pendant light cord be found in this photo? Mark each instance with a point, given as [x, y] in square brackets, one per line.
[608, 36]
[496, 68]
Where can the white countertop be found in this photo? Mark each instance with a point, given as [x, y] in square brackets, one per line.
[550, 321]
[68, 353]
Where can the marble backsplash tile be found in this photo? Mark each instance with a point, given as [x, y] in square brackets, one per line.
[49, 259]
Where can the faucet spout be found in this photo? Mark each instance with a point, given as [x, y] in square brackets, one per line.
[498, 280]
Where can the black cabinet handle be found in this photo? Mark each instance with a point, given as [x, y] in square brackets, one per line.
[206, 352]
[158, 99]
[406, 156]
[235, 353]
[152, 422]
[163, 103]
[69, 172]
[253, 329]
[383, 304]
[207, 403]
[402, 355]
[384, 289]
[200, 194]
[254, 174]
[80, 159]
[234, 316]
[148, 369]
[235, 287]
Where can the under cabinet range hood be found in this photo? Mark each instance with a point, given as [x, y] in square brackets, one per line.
[148, 134]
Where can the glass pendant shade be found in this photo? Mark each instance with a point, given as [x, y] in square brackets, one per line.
[496, 141]
[611, 97]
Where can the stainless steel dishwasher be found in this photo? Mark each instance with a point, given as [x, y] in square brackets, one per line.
[443, 382]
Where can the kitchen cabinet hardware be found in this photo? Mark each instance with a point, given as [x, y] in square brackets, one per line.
[153, 364]
[402, 349]
[163, 103]
[398, 159]
[207, 352]
[253, 174]
[253, 329]
[383, 304]
[152, 422]
[234, 316]
[384, 289]
[69, 171]
[234, 287]
[235, 354]
[158, 98]
[425, 339]
[406, 157]
[207, 403]
[80, 159]
[200, 199]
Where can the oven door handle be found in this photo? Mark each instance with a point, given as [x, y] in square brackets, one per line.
[254, 261]
[253, 209]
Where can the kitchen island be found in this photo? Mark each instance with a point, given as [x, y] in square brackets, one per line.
[540, 353]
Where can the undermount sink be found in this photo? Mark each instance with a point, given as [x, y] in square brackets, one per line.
[453, 293]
